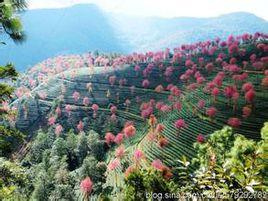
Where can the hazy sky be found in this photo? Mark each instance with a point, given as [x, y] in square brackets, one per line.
[166, 8]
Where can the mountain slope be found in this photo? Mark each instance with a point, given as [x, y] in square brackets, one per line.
[159, 103]
[52, 32]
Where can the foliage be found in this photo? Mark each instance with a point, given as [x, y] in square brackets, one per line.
[9, 21]
[13, 178]
[12, 26]
[226, 164]
[142, 184]
[9, 138]
[234, 163]
[58, 164]
[214, 151]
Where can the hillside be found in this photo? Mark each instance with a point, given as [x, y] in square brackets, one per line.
[63, 31]
[154, 106]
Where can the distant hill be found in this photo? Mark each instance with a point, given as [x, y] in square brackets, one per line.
[84, 28]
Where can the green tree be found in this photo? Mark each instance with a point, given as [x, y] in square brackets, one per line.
[12, 175]
[42, 142]
[144, 184]
[12, 180]
[96, 145]
[82, 148]
[231, 163]
[10, 24]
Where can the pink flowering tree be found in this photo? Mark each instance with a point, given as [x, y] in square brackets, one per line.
[58, 129]
[86, 186]
[76, 96]
[180, 124]
[95, 109]
[211, 112]
[109, 138]
[80, 126]
[138, 156]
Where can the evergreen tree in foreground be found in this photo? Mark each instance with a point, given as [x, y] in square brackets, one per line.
[10, 25]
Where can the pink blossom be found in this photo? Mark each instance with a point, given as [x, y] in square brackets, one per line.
[233, 68]
[200, 80]
[162, 142]
[76, 96]
[68, 109]
[201, 104]
[80, 126]
[86, 185]
[138, 155]
[109, 138]
[58, 129]
[229, 91]
[51, 121]
[5, 106]
[265, 60]
[113, 118]
[157, 164]
[209, 67]
[42, 95]
[159, 89]
[211, 112]
[137, 68]
[169, 86]
[175, 91]
[160, 128]
[177, 106]
[119, 138]
[258, 65]
[86, 101]
[233, 61]
[188, 63]
[247, 86]
[235, 96]
[129, 131]
[95, 107]
[168, 71]
[246, 111]
[147, 112]
[180, 124]
[192, 86]
[250, 95]
[145, 83]
[58, 111]
[233, 48]
[158, 105]
[165, 108]
[218, 79]
[215, 92]
[151, 136]
[32, 82]
[219, 60]
[120, 152]
[113, 109]
[114, 164]
[200, 138]
[171, 98]
[234, 122]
